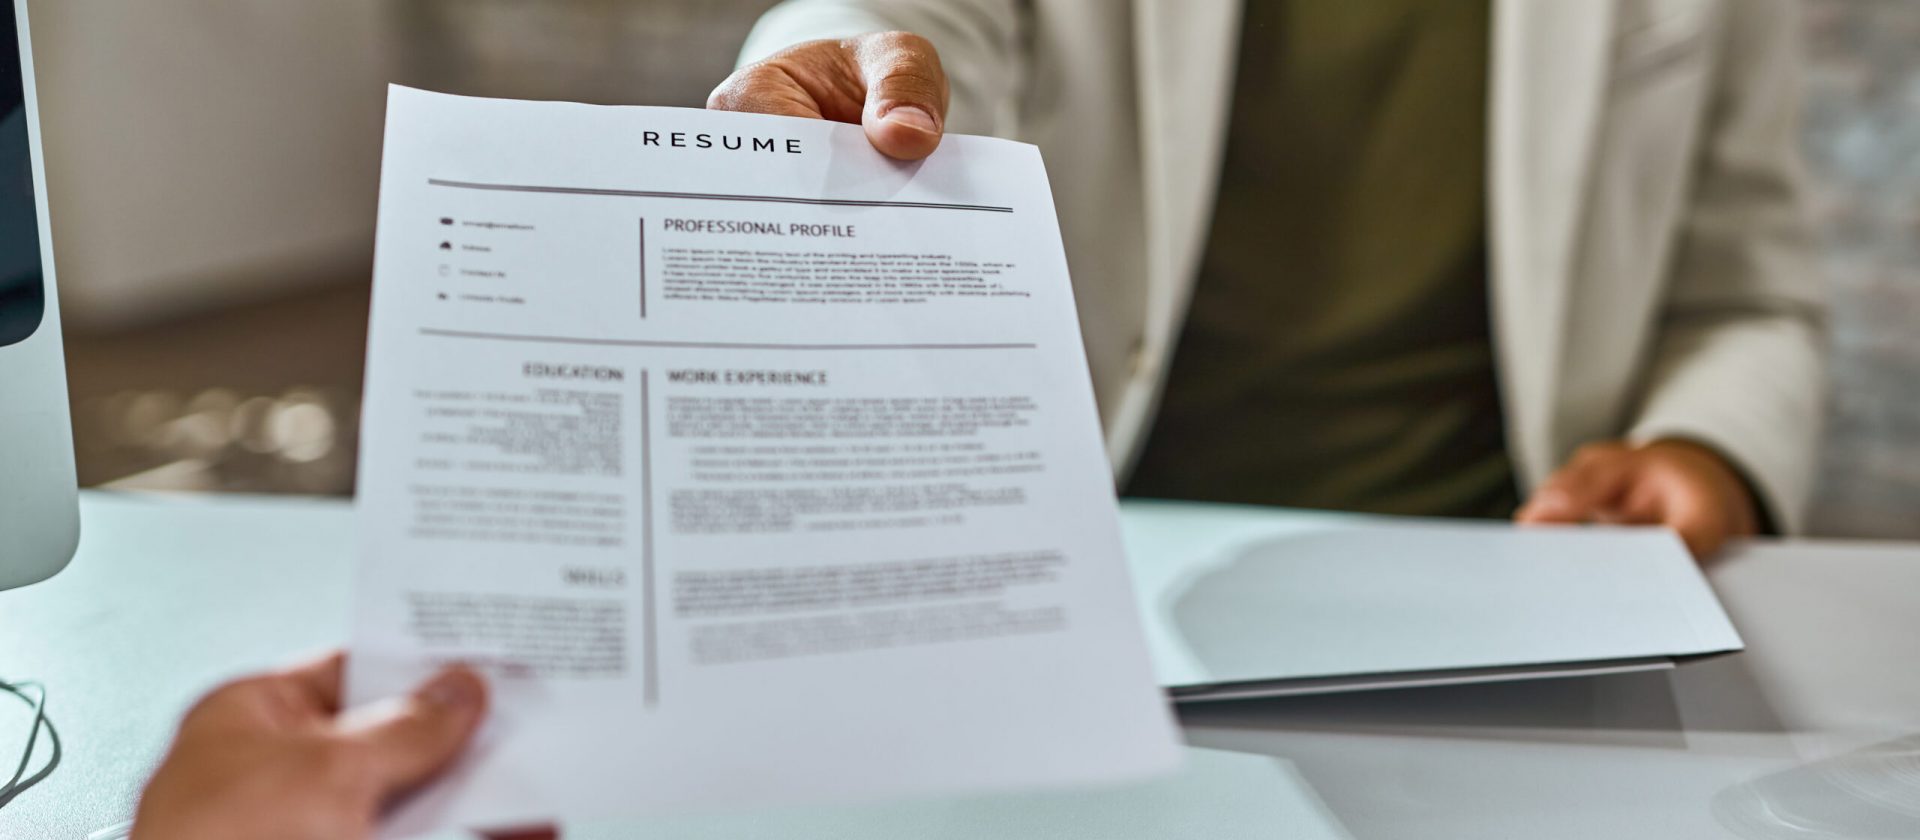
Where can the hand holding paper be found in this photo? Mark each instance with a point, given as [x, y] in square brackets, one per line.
[276, 755]
[889, 82]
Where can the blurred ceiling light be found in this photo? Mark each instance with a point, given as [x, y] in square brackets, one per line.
[205, 428]
[146, 420]
[302, 430]
[248, 425]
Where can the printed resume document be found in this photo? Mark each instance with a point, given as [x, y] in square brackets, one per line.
[751, 466]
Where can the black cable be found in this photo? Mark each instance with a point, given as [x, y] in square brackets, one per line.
[21, 782]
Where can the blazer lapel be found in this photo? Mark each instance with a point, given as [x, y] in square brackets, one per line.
[1548, 75]
[1186, 53]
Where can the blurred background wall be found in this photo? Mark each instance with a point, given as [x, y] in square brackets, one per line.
[1863, 146]
[214, 164]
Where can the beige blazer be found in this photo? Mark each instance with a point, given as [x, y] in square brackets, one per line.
[1651, 271]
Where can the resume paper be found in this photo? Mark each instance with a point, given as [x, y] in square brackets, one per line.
[753, 467]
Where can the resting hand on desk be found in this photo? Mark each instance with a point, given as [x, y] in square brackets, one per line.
[1682, 485]
[276, 756]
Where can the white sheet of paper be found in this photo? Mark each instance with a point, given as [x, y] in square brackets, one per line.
[1235, 594]
[756, 468]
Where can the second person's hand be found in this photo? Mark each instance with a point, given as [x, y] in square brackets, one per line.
[890, 83]
[1682, 485]
[276, 755]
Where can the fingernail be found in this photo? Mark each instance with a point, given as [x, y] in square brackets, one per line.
[458, 690]
[911, 116]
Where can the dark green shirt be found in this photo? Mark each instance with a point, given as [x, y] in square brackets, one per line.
[1337, 353]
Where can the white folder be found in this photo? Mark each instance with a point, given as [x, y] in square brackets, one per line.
[1254, 602]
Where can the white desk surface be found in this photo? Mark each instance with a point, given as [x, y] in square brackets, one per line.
[1809, 734]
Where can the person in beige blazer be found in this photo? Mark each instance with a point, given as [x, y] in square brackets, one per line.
[1654, 318]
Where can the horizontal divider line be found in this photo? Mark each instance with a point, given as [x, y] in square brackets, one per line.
[834, 202]
[712, 345]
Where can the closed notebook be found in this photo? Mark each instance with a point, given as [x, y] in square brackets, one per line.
[1248, 602]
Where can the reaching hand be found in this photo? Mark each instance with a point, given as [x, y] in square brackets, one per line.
[889, 82]
[276, 756]
[1682, 485]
